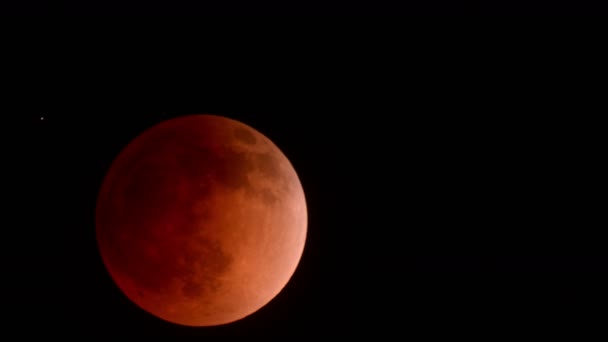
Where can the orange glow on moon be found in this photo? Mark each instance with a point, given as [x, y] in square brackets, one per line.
[201, 220]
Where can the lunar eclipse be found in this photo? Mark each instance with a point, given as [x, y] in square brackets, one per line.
[201, 220]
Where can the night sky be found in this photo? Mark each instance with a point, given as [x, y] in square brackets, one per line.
[432, 208]
[311, 7]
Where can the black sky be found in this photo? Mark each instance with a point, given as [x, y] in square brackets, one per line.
[431, 202]
[442, 8]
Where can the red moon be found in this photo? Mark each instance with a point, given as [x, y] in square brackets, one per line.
[201, 220]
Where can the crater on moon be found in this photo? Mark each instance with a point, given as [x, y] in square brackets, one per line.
[244, 135]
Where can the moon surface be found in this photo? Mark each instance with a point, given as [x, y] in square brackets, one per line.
[201, 220]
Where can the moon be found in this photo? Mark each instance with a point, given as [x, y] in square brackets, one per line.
[201, 220]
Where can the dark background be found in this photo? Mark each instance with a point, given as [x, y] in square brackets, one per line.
[312, 7]
[441, 200]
